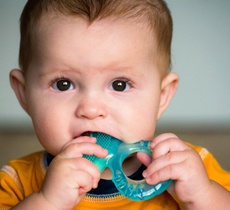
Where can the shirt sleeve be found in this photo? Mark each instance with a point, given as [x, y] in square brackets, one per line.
[216, 172]
[10, 188]
[213, 168]
[20, 178]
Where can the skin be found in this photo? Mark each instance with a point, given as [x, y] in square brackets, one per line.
[89, 63]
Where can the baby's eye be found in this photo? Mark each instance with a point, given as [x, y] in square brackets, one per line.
[63, 85]
[120, 85]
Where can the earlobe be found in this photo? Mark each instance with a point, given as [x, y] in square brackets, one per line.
[168, 89]
[17, 81]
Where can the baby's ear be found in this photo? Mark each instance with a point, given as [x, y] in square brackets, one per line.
[168, 89]
[17, 81]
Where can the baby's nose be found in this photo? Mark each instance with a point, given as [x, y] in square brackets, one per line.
[91, 107]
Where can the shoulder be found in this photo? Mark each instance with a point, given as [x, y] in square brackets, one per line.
[213, 168]
[203, 152]
[32, 161]
[21, 177]
[20, 171]
[207, 157]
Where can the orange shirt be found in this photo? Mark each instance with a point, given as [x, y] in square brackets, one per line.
[22, 177]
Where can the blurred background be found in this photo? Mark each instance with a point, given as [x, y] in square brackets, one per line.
[200, 111]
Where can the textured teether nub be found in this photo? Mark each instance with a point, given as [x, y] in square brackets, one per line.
[104, 141]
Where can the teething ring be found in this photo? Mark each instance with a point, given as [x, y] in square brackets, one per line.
[118, 151]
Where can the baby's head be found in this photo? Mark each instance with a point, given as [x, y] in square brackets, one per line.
[152, 13]
[100, 65]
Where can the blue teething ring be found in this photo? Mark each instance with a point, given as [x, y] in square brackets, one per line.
[118, 151]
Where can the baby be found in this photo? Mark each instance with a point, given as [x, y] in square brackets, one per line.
[102, 66]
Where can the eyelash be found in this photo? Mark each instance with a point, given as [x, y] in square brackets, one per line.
[125, 80]
[57, 79]
[128, 81]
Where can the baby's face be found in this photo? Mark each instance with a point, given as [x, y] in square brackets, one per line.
[101, 77]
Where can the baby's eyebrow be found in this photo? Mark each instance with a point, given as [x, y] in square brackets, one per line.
[49, 72]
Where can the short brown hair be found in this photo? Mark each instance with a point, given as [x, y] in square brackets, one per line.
[154, 12]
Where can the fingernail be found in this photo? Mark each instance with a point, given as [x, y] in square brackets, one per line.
[95, 185]
[147, 180]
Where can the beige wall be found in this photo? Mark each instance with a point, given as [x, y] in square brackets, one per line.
[16, 145]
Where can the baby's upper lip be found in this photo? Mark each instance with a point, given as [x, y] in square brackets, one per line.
[87, 133]
[83, 133]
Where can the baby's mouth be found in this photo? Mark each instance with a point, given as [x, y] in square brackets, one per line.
[87, 133]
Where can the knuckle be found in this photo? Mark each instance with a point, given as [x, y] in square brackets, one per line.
[169, 157]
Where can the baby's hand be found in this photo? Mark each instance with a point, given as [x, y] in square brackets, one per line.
[174, 159]
[70, 176]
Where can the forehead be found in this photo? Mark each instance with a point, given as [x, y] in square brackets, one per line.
[47, 20]
[60, 31]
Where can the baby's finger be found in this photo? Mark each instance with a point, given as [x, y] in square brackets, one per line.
[144, 158]
[162, 137]
[71, 166]
[81, 139]
[170, 162]
[83, 181]
[168, 172]
[91, 169]
[75, 150]
[165, 161]
[168, 145]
